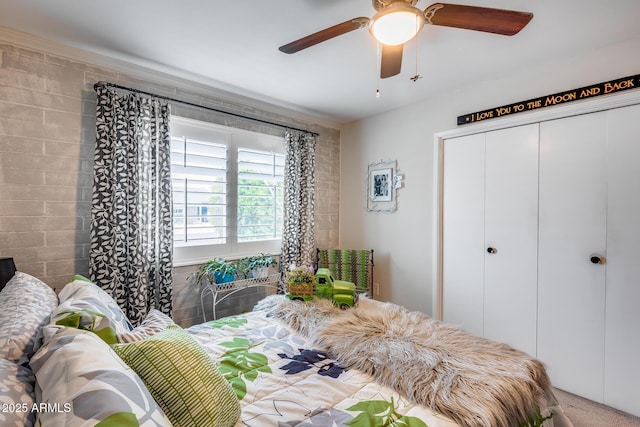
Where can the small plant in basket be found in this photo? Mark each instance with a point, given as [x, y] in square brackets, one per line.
[301, 281]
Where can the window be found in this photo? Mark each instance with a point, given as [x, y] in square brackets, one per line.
[260, 195]
[198, 178]
[228, 190]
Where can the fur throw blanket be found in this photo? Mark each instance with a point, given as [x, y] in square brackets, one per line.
[474, 381]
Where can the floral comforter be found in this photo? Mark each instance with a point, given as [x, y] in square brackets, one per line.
[282, 380]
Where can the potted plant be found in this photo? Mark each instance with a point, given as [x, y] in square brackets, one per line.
[257, 266]
[301, 282]
[217, 270]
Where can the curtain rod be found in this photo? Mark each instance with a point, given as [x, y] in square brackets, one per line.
[191, 104]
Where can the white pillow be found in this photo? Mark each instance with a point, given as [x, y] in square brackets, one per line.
[86, 381]
[155, 321]
[25, 306]
[82, 294]
[16, 395]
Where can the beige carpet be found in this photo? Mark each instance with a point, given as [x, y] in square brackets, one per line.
[585, 413]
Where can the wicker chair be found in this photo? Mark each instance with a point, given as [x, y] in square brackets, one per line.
[353, 265]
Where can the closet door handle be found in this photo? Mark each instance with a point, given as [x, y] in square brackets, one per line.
[597, 259]
[492, 250]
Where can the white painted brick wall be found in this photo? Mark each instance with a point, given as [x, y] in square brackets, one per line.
[47, 135]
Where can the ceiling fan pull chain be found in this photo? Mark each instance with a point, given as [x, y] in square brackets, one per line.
[378, 63]
[417, 75]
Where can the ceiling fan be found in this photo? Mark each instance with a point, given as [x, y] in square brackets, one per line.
[398, 21]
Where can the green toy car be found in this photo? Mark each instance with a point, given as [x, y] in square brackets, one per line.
[342, 293]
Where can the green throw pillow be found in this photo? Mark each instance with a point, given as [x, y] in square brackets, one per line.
[182, 378]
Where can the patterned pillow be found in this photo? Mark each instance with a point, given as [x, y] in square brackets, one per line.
[82, 295]
[85, 383]
[68, 314]
[16, 395]
[25, 306]
[183, 379]
[155, 321]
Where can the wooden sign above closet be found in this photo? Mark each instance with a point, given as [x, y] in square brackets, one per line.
[598, 89]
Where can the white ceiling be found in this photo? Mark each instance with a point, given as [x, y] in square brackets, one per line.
[233, 45]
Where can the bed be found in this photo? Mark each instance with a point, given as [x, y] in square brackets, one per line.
[77, 361]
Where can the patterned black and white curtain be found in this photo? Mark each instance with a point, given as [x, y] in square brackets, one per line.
[131, 216]
[298, 243]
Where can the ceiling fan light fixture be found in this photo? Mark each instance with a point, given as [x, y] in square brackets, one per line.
[397, 23]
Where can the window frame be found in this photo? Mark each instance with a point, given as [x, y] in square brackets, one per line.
[233, 138]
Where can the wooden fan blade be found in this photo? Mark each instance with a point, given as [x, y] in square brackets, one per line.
[391, 61]
[497, 21]
[324, 35]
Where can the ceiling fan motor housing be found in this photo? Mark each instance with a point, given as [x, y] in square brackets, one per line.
[397, 23]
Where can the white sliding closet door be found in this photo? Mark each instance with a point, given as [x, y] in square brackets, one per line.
[572, 231]
[490, 197]
[463, 233]
[511, 236]
[541, 246]
[622, 372]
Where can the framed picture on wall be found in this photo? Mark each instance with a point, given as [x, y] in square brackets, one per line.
[381, 191]
[380, 185]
